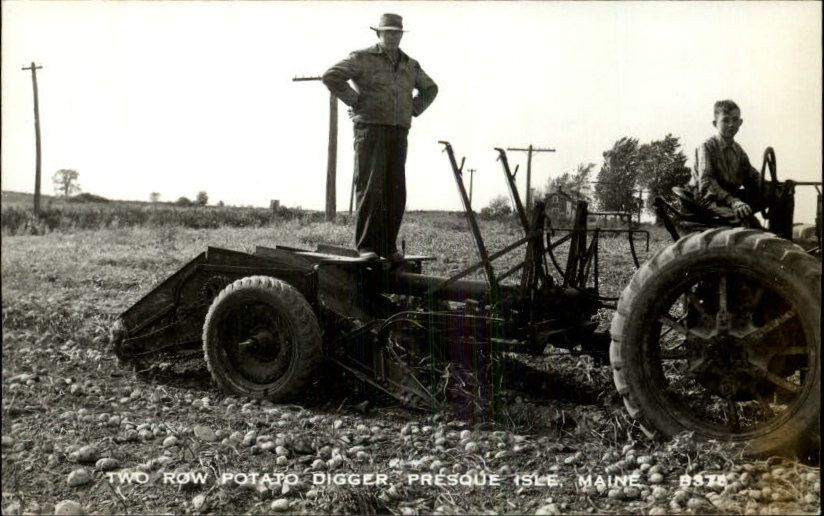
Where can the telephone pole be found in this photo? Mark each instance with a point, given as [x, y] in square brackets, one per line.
[529, 150]
[34, 69]
[332, 154]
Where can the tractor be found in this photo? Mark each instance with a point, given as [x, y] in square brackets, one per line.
[717, 333]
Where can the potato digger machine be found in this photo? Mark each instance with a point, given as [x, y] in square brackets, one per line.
[717, 333]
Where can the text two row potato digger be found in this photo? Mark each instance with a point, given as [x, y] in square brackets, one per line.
[717, 333]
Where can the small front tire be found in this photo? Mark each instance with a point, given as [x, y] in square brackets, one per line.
[261, 339]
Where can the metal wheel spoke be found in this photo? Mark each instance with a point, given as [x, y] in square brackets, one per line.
[762, 332]
[732, 415]
[765, 407]
[675, 352]
[755, 299]
[681, 321]
[668, 321]
[695, 302]
[728, 348]
[782, 383]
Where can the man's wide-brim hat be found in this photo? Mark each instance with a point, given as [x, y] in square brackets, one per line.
[390, 21]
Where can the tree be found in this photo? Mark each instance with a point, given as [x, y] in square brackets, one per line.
[202, 198]
[575, 183]
[65, 182]
[154, 197]
[616, 186]
[183, 201]
[662, 165]
[498, 207]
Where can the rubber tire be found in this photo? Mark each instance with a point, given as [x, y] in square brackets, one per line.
[297, 313]
[805, 235]
[776, 258]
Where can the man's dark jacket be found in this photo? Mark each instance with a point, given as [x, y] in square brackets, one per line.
[384, 89]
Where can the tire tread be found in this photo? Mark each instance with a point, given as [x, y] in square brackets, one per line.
[786, 254]
[297, 309]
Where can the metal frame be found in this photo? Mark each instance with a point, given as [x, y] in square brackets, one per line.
[581, 260]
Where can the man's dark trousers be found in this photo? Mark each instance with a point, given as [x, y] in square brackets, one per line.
[380, 186]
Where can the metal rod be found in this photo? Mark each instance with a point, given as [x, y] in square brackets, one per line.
[553, 245]
[529, 181]
[414, 284]
[513, 189]
[596, 279]
[470, 216]
[477, 265]
[577, 247]
[632, 250]
[511, 271]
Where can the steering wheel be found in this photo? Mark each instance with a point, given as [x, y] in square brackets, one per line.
[769, 197]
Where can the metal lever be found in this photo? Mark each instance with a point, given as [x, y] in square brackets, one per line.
[448, 148]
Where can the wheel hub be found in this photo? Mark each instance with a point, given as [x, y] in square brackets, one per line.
[724, 360]
[262, 346]
[259, 343]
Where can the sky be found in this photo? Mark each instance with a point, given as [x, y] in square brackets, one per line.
[179, 97]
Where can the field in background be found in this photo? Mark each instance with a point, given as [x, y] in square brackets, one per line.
[61, 215]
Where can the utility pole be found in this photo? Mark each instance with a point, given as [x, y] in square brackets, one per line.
[332, 155]
[34, 69]
[529, 150]
[471, 176]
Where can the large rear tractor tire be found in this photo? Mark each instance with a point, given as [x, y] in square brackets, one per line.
[719, 334]
[261, 339]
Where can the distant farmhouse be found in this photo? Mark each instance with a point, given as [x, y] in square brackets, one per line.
[560, 204]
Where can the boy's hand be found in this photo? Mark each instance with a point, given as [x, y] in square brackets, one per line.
[742, 210]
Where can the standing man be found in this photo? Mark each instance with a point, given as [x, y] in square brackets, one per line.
[382, 106]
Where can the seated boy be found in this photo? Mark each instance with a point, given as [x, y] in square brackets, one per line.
[723, 180]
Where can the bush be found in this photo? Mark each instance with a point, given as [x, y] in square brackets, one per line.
[183, 201]
[498, 209]
[18, 220]
[86, 197]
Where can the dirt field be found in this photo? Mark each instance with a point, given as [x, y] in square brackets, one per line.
[67, 406]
